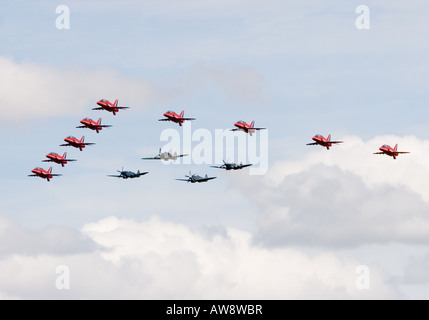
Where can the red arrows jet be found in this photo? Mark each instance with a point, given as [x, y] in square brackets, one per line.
[248, 128]
[176, 118]
[39, 172]
[388, 150]
[108, 106]
[74, 142]
[91, 124]
[55, 157]
[321, 140]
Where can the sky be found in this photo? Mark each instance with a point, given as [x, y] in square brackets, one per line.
[302, 223]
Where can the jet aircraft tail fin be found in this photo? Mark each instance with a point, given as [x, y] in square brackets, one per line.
[396, 147]
[252, 124]
[329, 138]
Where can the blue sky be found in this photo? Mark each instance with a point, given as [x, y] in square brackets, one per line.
[295, 68]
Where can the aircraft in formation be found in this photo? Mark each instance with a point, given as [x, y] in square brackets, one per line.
[109, 106]
[166, 156]
[128, 174]
[194, 178]
[91, 124]
[232, 166]
[174, 117]
[391, 152]
[324, 142]
[74, 142]
[244, 126]
[55, 157]
[44, 174]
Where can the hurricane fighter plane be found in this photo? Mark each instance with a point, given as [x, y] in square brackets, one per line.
[324, 142]
[109, 106]
[42, 173]
[55, 157]
[128, 174]
[74, 142]
[91, 124]
[193, 178]
[166, 156]
[174, 117]
[244, 126]
[388, 150]
[232, 166]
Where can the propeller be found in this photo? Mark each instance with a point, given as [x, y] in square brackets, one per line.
[190, 177]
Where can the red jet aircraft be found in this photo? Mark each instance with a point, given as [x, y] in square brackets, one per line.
[248, 128]
[39, 172]
[91, 124]
[74, 142]
[108, 106]
[176, 118]
[321, 140]
[55, 157]
[388, 150]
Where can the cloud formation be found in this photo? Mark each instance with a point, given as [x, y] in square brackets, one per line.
[158, 259]
[346, 196]
[31, 91]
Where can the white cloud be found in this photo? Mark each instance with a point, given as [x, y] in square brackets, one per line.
[49, 240]
[356, 156]
[345, 196]
[157, 259]
[31, 91]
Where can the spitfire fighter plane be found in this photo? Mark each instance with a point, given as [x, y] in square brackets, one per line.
[232, 166]
[388, 150]
[91, 124]
[244, 126]
[324, 142]
[193, 178]
[55, 157]
[166, 156]
[109, 106]
[174, 117]
[128, 174]
[74, 142]
[42, 173]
